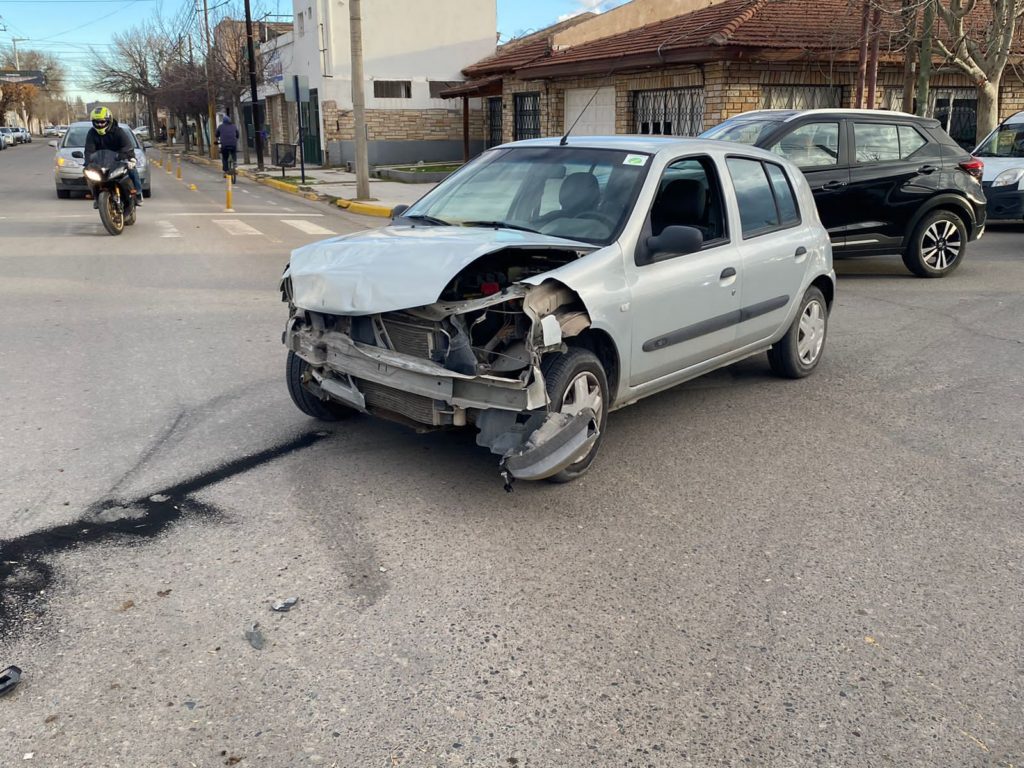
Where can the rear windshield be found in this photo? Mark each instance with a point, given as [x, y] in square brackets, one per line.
[741, 131]
[75, 137]
[1006, 141]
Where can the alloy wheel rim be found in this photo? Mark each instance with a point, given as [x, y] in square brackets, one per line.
[584, 391]
[941, 245]
[811, 333]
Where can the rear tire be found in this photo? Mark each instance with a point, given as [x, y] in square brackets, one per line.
[147, 193]
[938, 245]
[562, 375]
[112, 219]
[306, 401]
[798, 353]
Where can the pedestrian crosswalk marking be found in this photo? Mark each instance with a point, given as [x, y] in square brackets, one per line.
[236, 227]
[167, 229]
[308, 227]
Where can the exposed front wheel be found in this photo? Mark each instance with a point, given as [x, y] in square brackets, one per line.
[938, 245]
[797, 353]
[110, 215]
[297, 376]
[576, 380]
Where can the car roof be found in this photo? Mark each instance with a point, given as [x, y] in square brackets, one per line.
[641, 143]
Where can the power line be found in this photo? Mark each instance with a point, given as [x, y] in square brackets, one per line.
[89, 23]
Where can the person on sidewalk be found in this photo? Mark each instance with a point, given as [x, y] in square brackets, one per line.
[227, 135]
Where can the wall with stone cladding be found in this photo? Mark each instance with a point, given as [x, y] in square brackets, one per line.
[402, 124]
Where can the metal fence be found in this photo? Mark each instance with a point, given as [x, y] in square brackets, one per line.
[669, 111]
[802, 96]
[957, 110]
[494, 117]
[526, 116]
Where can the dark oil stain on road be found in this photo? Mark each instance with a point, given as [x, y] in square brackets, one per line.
[24, 574]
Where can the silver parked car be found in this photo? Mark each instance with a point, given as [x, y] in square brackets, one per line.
[546, 284]
[8, 136]
[68, 169]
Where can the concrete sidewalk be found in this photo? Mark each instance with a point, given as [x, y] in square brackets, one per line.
[333, 184]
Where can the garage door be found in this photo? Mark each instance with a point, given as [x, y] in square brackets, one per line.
[599, 118]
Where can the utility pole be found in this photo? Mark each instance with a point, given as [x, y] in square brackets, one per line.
[924, 70]
[876, 33]
[257, 124]
[355, 28]
[209, 87]
[17, 65]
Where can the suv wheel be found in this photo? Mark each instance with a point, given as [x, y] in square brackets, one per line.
[937, 246]
[797, 353]
[306, 401]
[574, 381]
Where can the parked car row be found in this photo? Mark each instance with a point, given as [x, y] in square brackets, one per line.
[11, 135]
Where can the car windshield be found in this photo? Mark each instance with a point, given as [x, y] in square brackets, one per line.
[572, 192]
[1005, 141]
[741, 131]
[75, 137]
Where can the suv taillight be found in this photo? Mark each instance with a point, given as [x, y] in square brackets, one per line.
[974, 166]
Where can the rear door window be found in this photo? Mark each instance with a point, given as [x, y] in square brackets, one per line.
[910, 141]
[764, 196]
[785, 200]
[876, 142]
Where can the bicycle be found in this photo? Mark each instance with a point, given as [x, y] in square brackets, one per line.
[232, 167]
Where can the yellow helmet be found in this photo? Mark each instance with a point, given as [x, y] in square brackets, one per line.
[102, 120]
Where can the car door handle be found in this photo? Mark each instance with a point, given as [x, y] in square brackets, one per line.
[927, 169]
[801, 251]
[727, 273]
[834, 184]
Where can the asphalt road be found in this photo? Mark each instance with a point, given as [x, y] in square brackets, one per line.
[756, 572]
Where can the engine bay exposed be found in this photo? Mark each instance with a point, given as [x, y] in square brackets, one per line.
[496, 271]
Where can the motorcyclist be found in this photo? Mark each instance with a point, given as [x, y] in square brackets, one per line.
[106, 133]
[227, 135]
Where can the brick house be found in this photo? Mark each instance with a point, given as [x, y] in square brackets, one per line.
[680, 66]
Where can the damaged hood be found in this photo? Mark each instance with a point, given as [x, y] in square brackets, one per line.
[397, 267]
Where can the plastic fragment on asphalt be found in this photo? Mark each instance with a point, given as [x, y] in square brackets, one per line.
[9, 679]
[283, 606]
[255, 637]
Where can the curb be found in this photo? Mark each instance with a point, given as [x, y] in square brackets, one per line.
[367, 209]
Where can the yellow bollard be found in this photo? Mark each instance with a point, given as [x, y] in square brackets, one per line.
[193, 187]
[227, 204]
[179, 166]
[170, 163]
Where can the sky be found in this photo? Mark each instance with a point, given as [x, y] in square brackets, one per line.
[69, 28]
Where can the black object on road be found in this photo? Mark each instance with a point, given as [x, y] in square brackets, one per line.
[9, 680]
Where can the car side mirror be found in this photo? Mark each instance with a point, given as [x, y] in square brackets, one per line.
[53, 144]
[78, 153]
[673, 241]
[398, 210]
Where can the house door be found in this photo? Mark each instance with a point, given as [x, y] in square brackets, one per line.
[957, 110]
[311, 128]
[592, 110]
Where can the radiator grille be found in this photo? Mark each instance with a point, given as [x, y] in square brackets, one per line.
[415, 407]
[410, 337]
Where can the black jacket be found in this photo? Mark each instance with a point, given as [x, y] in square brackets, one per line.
[116, 140]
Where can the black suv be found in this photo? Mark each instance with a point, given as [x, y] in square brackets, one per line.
[884, 182]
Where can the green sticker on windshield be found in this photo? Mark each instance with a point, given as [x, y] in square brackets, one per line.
[635, 160]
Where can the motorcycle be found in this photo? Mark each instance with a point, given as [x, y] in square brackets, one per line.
[113, 188]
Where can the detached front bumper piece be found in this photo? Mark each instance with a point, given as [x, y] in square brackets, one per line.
[560, 441]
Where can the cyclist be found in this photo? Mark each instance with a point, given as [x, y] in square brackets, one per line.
[227, 135]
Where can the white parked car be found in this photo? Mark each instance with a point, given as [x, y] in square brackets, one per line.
[543, 285]
[1003, 179]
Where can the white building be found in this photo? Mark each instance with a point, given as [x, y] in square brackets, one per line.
[412, 50]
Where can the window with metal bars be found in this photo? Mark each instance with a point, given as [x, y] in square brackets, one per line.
[494, 121]
[801, 96]
[669, 111]
[392, 89]
[526, 116]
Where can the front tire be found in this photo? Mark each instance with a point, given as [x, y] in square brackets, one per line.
[147, 193]
[938, 245]
[576, 380]
[113, 220]
[798, 353]
[325, 410]
[64, 194]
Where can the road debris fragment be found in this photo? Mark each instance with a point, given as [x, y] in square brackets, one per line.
[9, 679]
[255, 637]
[283, 606]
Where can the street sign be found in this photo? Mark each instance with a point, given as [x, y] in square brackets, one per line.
[24, 77]
[289, 88]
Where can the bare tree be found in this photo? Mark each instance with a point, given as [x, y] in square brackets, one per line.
[979, 44]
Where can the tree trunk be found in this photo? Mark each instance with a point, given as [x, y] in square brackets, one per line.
[988, 107]
[924, 72]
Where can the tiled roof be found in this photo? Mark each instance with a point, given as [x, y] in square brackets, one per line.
[806, 25]
[521, 51]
